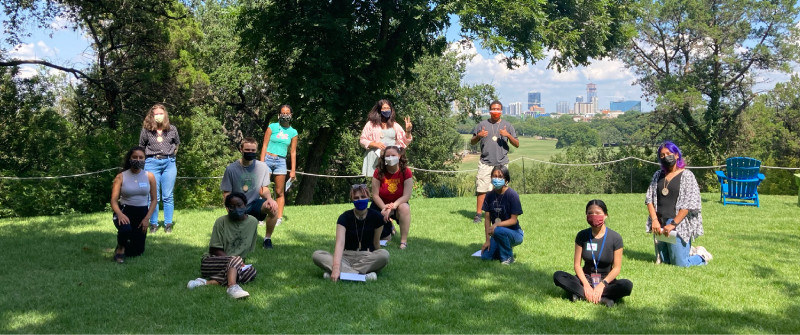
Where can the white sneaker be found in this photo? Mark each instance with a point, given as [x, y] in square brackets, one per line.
[326, 276]
[372, 276]
[195, 283]
[261, 223]
[278, 223]
[237, 292]
[704, 253]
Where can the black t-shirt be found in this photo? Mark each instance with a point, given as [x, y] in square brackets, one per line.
[502, 206]
[667, 203]
[605, 259]
[363, 230]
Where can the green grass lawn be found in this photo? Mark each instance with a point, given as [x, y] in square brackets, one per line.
[59, 277]
[528, 147]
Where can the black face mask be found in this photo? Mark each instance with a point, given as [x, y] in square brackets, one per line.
[386, 114]
[668, 161]
[236, 213]
[248, 156]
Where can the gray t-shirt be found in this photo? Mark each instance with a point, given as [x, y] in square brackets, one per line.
[494, 152]
[248, 180]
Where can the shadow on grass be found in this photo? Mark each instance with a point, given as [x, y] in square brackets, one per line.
[640, 255]
[465, 213]
[65, 282]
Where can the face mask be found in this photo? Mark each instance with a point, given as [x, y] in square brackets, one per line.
[285, 118]
[668, 161]
[237, 213]
[361, 204]
[498, 183]
[248, 156]
[595, 220]
[136, 164]
[158, 118]
[392, 160]
[386, 114]
[496, 115]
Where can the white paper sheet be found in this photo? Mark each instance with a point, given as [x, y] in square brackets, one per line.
[288, 184]
[477, 254]
[383, 243]
[673, 237]
[352, 276]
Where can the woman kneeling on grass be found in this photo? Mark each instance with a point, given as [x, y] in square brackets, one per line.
[392, 184]
[131, 208]
[358, 248]
[601, 251]
[500, 211]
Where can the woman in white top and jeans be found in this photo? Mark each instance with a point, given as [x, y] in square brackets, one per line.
[132, 209]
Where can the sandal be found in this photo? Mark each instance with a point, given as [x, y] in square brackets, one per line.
[403, 245]
[119, 258]
[394, 231]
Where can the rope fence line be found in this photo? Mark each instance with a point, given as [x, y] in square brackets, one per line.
[413, 168]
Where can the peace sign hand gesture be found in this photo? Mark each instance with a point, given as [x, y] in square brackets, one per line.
[504, 132]
[409, 126]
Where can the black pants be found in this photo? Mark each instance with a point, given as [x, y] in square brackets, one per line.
[615, 290]
[131, 237]
[387, 227]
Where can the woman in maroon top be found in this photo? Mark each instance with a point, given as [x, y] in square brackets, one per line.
[392, 184]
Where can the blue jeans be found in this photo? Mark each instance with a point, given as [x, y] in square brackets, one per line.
[165, 172]
[678, 254]
[501, 243]
[277, 165]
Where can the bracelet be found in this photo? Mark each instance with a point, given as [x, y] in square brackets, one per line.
[605, 282]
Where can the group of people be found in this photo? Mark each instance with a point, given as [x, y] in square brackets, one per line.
[148, 176]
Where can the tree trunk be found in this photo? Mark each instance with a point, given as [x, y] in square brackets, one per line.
[305, 195]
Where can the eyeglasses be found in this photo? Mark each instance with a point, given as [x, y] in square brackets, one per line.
[359, 186]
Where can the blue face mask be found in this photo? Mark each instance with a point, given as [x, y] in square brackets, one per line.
[236, 213]
[498, 183]
[361, 204]
[386, 114]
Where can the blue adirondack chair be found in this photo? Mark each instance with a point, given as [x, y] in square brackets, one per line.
[740, 181]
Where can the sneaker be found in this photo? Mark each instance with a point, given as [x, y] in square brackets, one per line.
[195, 283]
[237, 292]
[478, 218]
[372, 276]
[261, 223]
[704, 253]
[575, 298]
[508, 261]
[153, 228]
[168, 229]
[608, 302]
[267, 243]
[278, 223]
[326, 275]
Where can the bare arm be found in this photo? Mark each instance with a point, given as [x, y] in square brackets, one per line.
[338, 251]
[294, 157]
[513, 141]
[408, 187]
[267, 135]
[153, 195]
[617, 266]
[577, 265]
[377, 238]
[376, 198]
[115, 195]
[507, 223]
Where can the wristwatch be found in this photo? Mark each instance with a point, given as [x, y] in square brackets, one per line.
[605, 282]
[671, 222]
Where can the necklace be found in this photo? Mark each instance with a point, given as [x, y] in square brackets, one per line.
[355, 221]
[494, 138]
[159, 138]
[665, 191]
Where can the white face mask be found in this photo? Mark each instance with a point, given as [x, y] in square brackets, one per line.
[158, 118]
[392, 160]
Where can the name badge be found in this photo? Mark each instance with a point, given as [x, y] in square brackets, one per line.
[591, 246]
[596, 279]
[143, 184]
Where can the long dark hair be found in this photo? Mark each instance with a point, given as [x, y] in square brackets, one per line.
[375, 113]
[126, 164]
[598, 203]
[382, 169]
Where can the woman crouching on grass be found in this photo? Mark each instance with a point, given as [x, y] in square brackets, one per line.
[500, 211]
[601, 251]
[358, 247]
[129, 201]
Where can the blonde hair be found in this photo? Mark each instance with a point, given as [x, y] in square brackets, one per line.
[150, 122]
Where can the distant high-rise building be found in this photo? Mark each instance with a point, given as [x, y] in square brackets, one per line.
[595, 105]
[562, 107]
[591, 92]
[534, 100]
[579, 98]
[515, 109]
[625, 106]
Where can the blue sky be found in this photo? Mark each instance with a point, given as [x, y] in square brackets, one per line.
[613, 80]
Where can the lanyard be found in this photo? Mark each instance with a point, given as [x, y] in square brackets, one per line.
[601, 250]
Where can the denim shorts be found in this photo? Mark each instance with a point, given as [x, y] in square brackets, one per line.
[276, 164]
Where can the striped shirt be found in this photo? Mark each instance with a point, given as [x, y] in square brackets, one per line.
[149, 140]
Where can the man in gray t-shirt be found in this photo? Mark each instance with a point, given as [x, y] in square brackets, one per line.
[251, 177]
[494, 135]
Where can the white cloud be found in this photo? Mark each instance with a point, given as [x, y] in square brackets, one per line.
[38, 50]
[27, 72]
[60, 23]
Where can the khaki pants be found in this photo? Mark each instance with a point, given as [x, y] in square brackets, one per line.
[362, 262]
[483, 179]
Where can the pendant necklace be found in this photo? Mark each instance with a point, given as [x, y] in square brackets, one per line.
[159, 138]
[494, 138]
[355, 221]
[665, 191]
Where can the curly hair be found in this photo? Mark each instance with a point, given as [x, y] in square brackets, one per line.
[150, 122]
[382, 168]
[375, 113]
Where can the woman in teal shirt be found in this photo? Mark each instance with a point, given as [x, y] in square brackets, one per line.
[278, 140]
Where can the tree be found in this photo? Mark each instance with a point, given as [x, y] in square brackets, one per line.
[577, 133]
[699, 60]
[335, 59]
[610, 135]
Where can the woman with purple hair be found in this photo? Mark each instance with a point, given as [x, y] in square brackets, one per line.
[673, 202]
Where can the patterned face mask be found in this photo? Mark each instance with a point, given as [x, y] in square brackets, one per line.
[136, 164]
[285, 117]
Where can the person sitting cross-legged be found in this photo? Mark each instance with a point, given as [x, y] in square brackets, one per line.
[232, 238]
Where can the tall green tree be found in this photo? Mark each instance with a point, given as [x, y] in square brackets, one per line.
[334, 59]
[699, 60]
